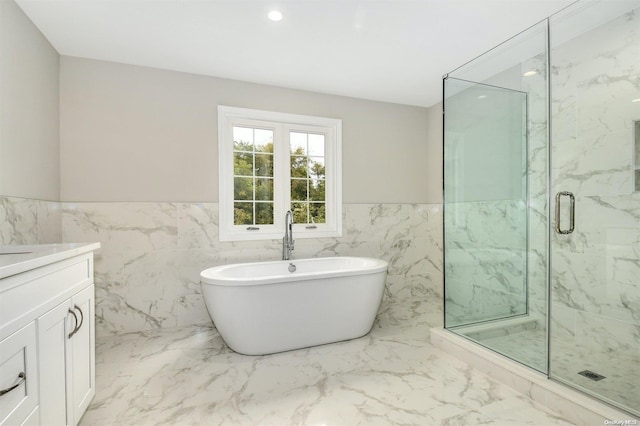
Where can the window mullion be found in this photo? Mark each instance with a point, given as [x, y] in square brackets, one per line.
[254, 180]
[282, 176]
[282, 125]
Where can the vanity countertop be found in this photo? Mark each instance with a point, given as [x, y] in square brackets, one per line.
[18, 259]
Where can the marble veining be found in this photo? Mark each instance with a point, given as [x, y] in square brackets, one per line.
[28, 221]
[568, 356]
[594, 271]
[485, 255]
[147, 272]
[391, 376]
[595, 288]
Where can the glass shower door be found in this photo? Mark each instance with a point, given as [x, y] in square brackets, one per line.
[485, 202]
[495, 198]
[595, 240]
[487, 251]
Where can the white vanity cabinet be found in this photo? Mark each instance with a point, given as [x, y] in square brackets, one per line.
[67, 374]
[19, 378]
[47, 335]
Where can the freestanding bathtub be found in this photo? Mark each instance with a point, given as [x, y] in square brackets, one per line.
[268, 307]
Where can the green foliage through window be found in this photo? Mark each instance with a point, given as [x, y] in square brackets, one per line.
[271, 162]
[252, 176]
[308, 195]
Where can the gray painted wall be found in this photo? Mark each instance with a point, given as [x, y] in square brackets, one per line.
[130, 133]
[29, 106]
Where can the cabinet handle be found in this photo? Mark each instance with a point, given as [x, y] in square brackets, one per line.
[22, 378]
[75, 327]
[81, 317]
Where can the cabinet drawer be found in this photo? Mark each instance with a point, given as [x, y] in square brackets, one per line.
[18, 358]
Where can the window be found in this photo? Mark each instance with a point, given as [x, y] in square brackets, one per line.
[273, 162]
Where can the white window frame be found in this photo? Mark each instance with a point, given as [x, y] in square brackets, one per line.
[282, 124]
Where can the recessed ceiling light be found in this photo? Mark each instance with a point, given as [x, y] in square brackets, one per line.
[636, 100]
[482, 97]
[275, 15]
[530, 73]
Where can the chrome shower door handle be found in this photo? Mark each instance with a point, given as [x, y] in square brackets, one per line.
[572, 212]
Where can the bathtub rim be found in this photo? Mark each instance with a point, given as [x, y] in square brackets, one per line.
[209, 276]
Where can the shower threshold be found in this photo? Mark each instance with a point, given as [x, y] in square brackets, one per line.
[573, 405]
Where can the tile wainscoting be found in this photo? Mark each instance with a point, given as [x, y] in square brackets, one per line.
[147, 271]
[29, 221]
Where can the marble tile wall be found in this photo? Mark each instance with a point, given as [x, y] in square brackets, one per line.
[496, 252]
[537, 179]
[486, 262]
[147, 271]
[29, 221]
[595, 285]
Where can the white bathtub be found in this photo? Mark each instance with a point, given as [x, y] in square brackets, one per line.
[262, 308]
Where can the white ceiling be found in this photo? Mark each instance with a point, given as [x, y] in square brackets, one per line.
[385, 50]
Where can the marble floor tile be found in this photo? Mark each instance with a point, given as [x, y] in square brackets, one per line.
[568, 358]
[510, 411]
[528, 346]
[392, 376]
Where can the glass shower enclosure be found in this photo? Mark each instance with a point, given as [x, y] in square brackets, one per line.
[542, 200]
[495, 139]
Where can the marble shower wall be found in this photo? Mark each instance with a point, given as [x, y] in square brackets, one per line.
[595, 284]
[537, 174]
[29, 221]
[485, 188]
[147, 271]
[486, 260]
[497, 250]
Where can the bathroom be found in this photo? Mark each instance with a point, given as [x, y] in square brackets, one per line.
[137, 172]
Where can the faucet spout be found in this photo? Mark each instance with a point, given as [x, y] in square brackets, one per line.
[287, 240]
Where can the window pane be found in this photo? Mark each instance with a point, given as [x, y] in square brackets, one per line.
[243, 213]
[317, 190]
[317, 212]
[251, 186]
[264, 165]
[300, 212]
[316, 145]
[243, 163]
[264, 189]
[316, 167]
[298, 166]
[242, 188]
[264, 213]
[299, 190]
[263, 140]
[242, 139]
[298, 143]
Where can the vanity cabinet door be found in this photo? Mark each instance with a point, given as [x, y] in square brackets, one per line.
[66, 339]
[81, 351]
[54, 328]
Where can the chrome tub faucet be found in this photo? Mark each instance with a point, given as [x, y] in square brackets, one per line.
[287, 240]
